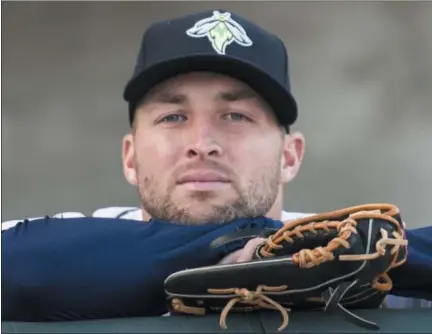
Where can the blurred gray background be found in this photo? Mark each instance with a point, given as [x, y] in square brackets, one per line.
[361, 73]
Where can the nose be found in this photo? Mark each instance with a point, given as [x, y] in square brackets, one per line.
[203, 143]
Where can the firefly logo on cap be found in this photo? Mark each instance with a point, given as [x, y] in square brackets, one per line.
[221, 30]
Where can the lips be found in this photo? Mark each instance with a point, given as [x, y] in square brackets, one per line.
[202, 176]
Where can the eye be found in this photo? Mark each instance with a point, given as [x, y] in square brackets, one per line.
[173, 118]
[236, 117]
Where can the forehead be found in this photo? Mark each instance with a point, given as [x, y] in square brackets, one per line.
[206, 81]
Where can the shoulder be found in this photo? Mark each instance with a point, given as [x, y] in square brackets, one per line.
[294, 215]
[119, 212]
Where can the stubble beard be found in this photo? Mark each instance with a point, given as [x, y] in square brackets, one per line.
[255, 200]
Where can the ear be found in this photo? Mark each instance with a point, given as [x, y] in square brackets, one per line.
[292, 157]
[128, 159]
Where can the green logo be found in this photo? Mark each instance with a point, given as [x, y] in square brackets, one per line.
[221, 30]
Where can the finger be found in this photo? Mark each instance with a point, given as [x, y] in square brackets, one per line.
[249, 249]
[232, 257]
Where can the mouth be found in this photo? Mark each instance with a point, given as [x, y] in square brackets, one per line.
[203, 180]
[202, 177]
[204, 186]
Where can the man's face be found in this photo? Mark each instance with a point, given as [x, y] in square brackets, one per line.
[205, 149]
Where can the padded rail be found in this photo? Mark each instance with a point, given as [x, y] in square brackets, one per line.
[390, 320]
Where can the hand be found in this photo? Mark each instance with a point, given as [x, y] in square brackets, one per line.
[244, 254]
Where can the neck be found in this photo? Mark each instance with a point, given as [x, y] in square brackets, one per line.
[276, 210]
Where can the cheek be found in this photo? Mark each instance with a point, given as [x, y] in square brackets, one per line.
[156, 156]
[253, 150]
[255, 157]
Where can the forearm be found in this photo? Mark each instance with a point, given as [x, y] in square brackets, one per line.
[414, 278]
[57, 269]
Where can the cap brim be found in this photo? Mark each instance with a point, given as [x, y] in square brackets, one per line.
[275, 94]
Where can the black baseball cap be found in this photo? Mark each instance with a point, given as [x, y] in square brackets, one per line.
[214, 41]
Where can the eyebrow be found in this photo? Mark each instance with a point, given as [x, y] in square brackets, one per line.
[241, 94]
[174, 98]
[167, 97]
[245, 94]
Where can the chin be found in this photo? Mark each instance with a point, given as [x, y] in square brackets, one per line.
[197, 217]
[199, 204]
[207, 199]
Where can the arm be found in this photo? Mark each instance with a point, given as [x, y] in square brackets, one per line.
[414, 278]
[86, 268]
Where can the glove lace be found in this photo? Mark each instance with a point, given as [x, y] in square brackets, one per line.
[308, 258]
[254, 298]
[397, 242]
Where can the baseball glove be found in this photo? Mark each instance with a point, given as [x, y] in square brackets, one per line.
[334, 261]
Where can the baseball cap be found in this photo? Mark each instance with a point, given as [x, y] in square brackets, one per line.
[214, 41]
